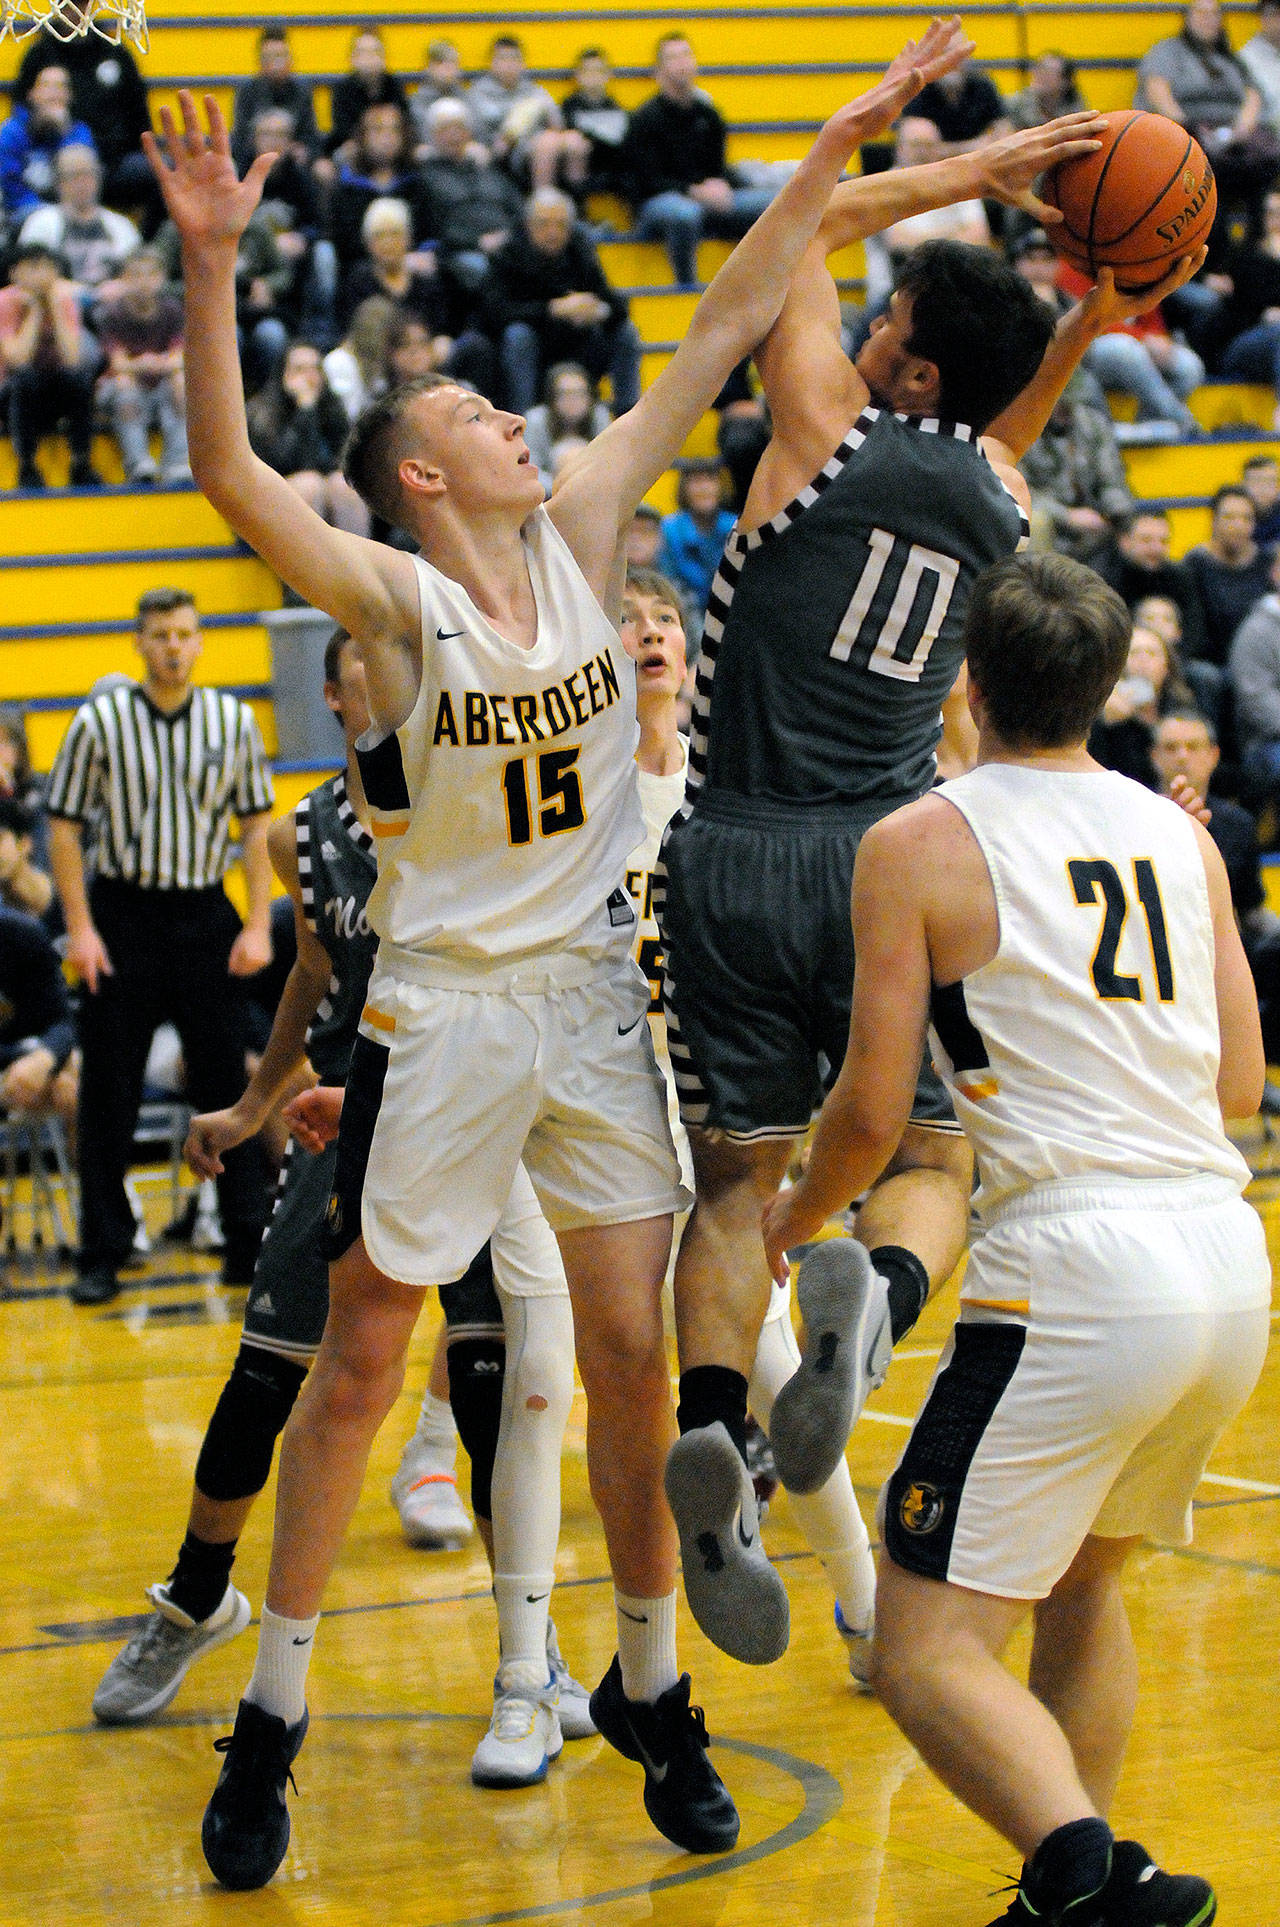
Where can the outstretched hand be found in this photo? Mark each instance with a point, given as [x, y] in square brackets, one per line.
[202, 191]
[938, 51]
[1010, 165]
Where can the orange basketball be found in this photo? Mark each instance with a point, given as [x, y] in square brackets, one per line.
[1142, 202]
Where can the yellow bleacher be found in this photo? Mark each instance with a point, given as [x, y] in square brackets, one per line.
[74, 564]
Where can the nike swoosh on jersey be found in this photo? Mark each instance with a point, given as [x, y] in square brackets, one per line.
[630, 1027]
[448, 635]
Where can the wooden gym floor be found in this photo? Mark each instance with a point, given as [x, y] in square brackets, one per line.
[102, 1412]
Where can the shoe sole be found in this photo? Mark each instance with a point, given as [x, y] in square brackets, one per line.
[848, 1345]
[138, 1715]
[733, 1592]
[498, 1782]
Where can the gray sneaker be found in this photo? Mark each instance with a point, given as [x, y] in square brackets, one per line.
[140, 1681]
[574, 1707]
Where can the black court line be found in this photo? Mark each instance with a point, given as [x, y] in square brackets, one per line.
[823, 1798]
[1247, 1498]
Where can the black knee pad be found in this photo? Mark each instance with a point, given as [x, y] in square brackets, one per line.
[476, 1368]
[235, 1459]
[473, 1299]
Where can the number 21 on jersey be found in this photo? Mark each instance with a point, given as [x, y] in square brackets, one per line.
[1092, 877]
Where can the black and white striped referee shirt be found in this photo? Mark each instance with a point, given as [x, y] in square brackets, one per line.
[158, 791]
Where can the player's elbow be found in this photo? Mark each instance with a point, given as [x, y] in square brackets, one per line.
[1240, 1086]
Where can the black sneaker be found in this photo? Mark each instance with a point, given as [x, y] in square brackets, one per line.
[684, 1796]
[1089, 1911]
[245, 1834]
[1140, 1894]
[96, 1287]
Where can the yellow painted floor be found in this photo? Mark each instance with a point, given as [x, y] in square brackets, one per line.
[101, 1416]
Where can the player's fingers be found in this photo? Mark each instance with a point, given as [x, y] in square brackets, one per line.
[261, 167]
[192, 133]
[219, 139]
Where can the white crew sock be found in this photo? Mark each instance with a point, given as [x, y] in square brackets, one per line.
[279, 1683]
[646, 1645]
[829, 1518]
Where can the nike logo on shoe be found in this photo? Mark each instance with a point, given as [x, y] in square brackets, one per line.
[656, 1773]
[745, 1539]
[448, 635]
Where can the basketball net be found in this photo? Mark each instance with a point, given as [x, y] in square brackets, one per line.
[113, 20]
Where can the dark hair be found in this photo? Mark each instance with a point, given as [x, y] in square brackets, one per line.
[1227, 490]
[669, 40]
[1187, 712]
[15, 816]
[161, 602]
[980, 323]
[505, 40]
[1175, 692]
[37, 251]
[1144, 512]
[652, 582]
[1261, 461]
[1220, 45]
[275, 31]
[333, 654]
[648, 513]
[1046, 640]
[13, 725]
[598, 53]
[371, 458]
[698, 465]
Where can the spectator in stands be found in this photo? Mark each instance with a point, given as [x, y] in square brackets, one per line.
[380, 164]
[515, 118]
[416, 285]
[17, 778]
[141, 333]
[1248, 288]
[1079, 494]
[1231, 572]
[570, 408]
[292, 207]
[693, 538]
[1260, 58]
[93, 240]
[154, 937]
[743, 432]
[1152, 684]
[274, 85]
[1253, 669]
[108, 94]
[366, 84]
[1187, 746]
[1195, 78]
[644, 538]
[1260, 480]
[265, 312]
[356, 369]
[441, 80]
[38, 1070]
[299, 427]
[32, 138]
[679, 182]
[473, 207]
[1138, 564]
[1207, 682]
[1050, 91]
[24, 885]
[546, 299]
[965, 107]
[41, 347]
[596, 163]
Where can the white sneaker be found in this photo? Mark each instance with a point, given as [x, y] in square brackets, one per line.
[523, 1738]
[206, 1232]
[141, 1680]
[574, 1707]
[141, 1237]
[431, 1513]
[858, 1645]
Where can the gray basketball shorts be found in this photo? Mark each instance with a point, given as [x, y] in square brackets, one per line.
[754, 914]
[289, 1296]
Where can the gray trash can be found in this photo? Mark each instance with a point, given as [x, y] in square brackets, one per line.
[307, 730]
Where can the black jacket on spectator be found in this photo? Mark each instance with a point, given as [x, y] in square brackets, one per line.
[107, 91]
[671, 146]
[1226, 596]
[605, 124]
[522, 281]
[354, 193]
[1172, 580]
[464, 202]
[33, 993]
[432, 299]
[291, 439]
[1236, 834]
[350, 98]
[962, 116]
[294, 186]
[255, 95]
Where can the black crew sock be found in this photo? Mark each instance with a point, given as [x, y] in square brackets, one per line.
[199, 1580]
[908, 1283]
[711, 1392]
[1071, 1863]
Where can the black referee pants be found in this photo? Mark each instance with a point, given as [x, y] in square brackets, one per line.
[169, 952]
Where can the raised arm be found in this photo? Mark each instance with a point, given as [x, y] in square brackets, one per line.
[737, 311]
[370, 589]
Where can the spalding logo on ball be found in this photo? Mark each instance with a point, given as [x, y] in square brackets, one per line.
[1142, 202]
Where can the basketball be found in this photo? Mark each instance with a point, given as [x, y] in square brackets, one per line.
[1138, 205]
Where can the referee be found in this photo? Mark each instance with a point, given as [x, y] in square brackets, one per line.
[150, 776]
